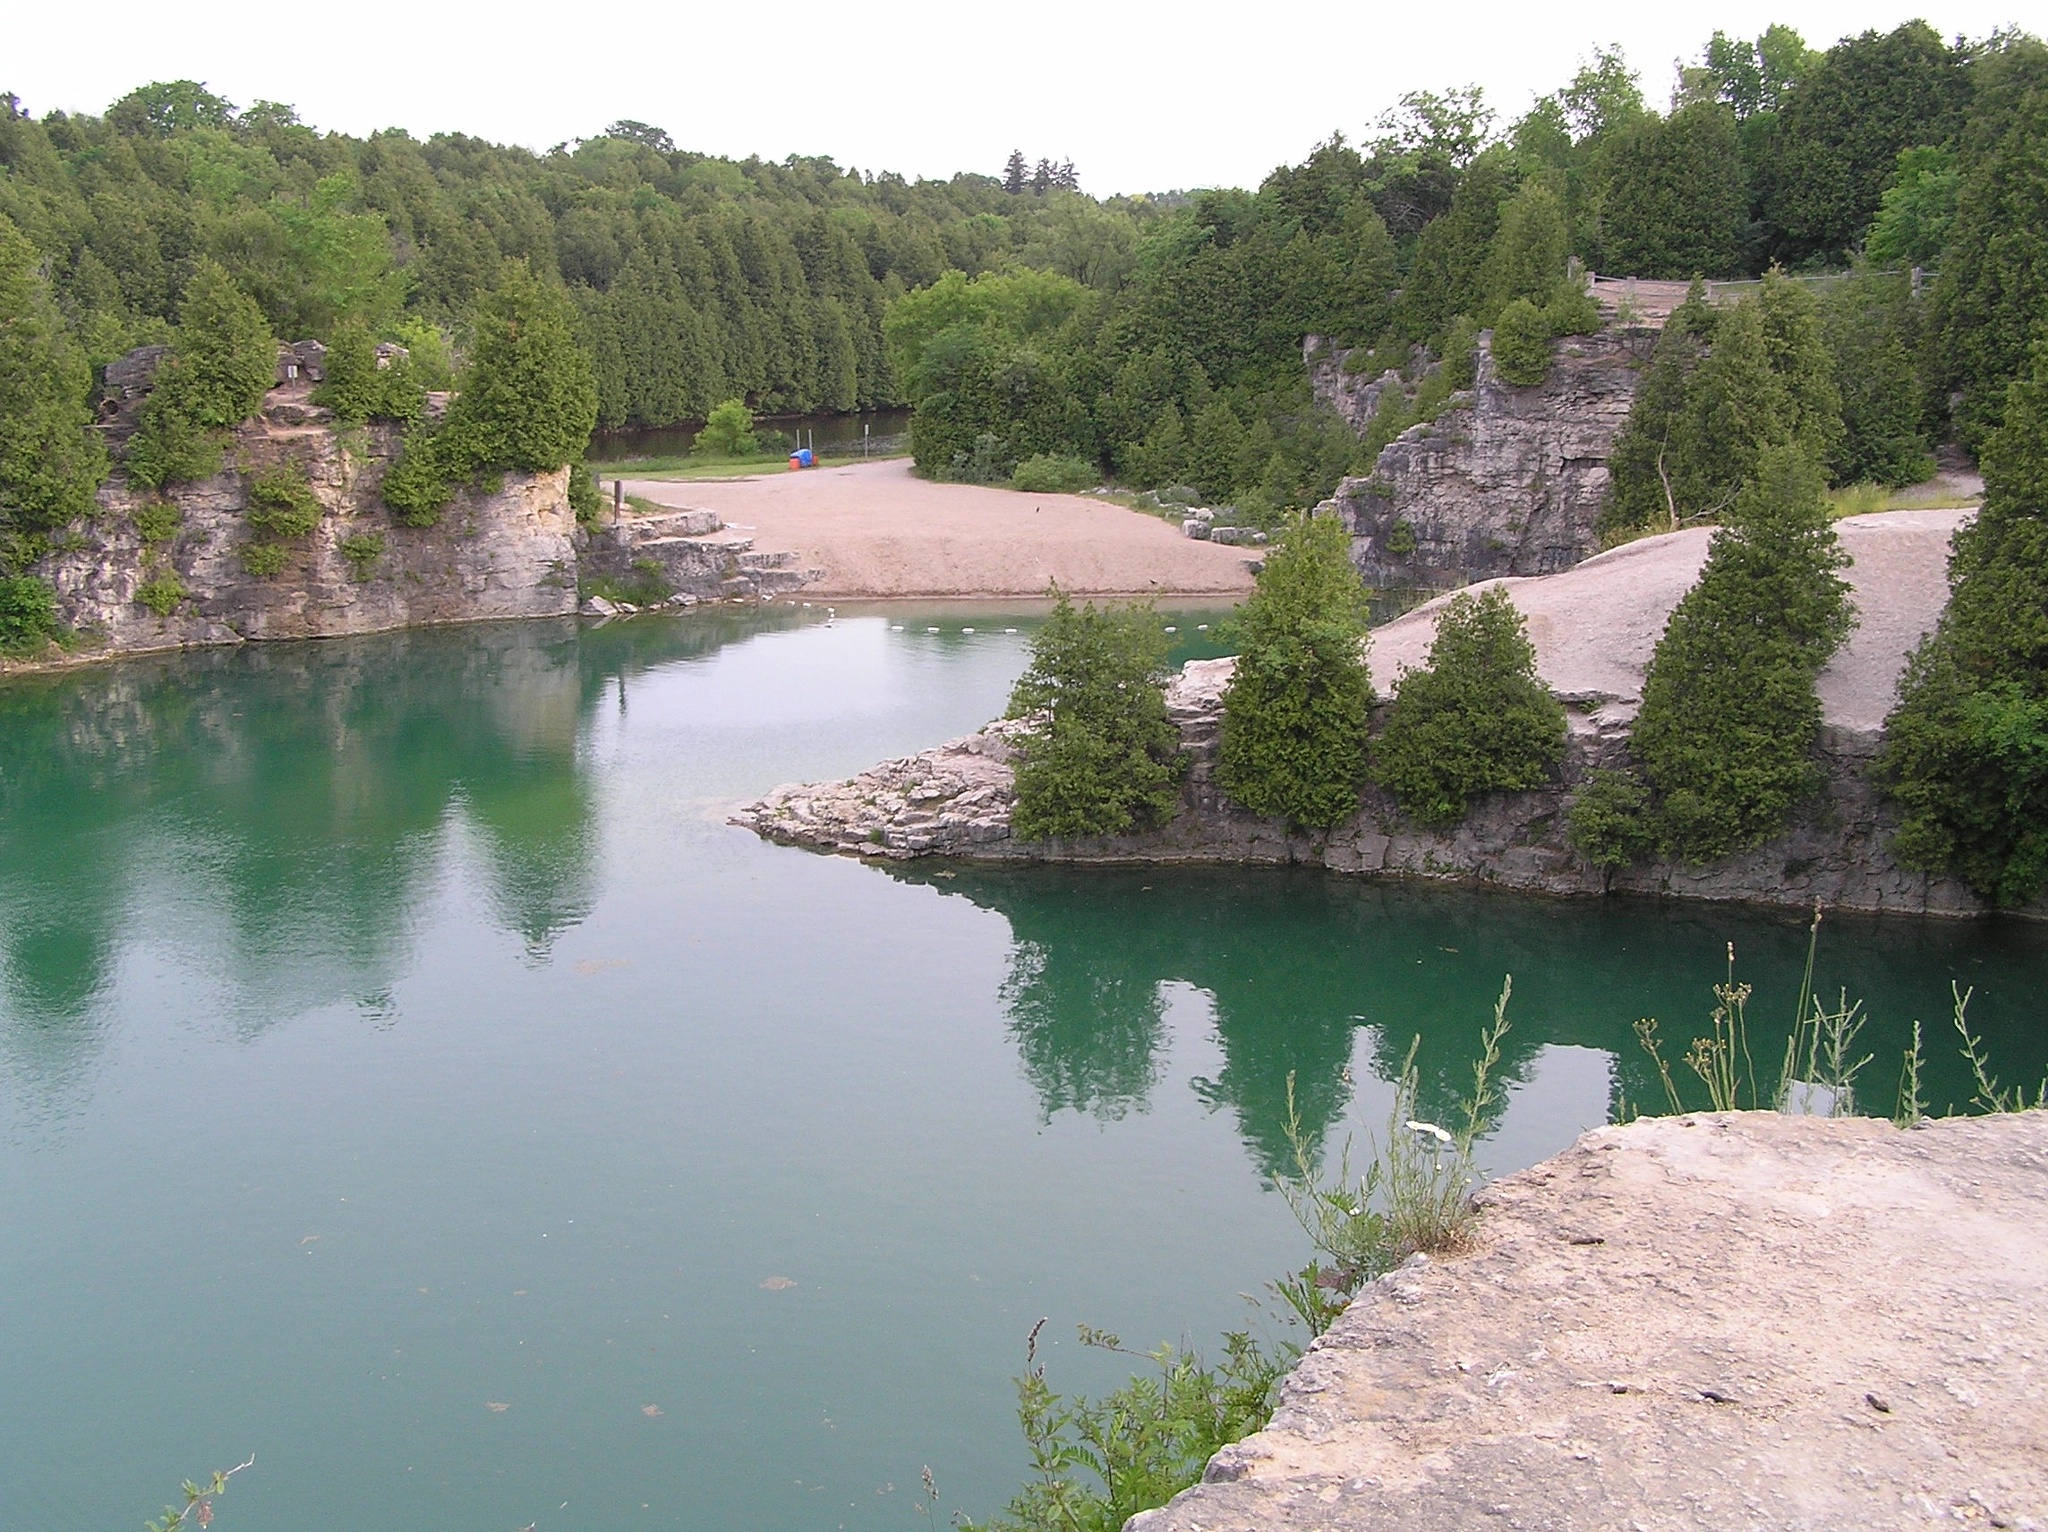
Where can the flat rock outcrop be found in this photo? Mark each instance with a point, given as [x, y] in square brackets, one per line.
[1505, 481]
[1594, 628]
[1711, 1323]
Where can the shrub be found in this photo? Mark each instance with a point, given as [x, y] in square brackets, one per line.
[1400, 539]
[1966, 745]
[282, 503]
[1521, 344]
[162, 593]
[728, 432]
[362, 550]
[220, 365]
[157, 521]
[265, 559]
[1475, 719]
[28, 614]
[1104, 758]
[1609, 823]
[416, 486]
[351, 388]
[585, 498]
[1046, 473]
[1294, 717]
[1729, 715]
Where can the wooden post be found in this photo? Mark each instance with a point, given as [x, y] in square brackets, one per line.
[618, 496]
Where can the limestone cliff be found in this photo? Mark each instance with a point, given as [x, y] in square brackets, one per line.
[1505, 481]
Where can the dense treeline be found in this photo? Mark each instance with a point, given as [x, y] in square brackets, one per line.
[696, 279]
[1886, 152]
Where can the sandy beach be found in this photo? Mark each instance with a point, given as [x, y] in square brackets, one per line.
[878, 531]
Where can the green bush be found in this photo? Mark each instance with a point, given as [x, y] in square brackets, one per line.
[1609, 823]
[357, 389]
[1294, 716]
[51, 460]
[362, 550]
[157, 521]
[265, 559]
[417, 486]
[222, 362]
[282, 503]
[1521, 344]
[1966, 745]
[162, 592]
[585, 498]
[728, 432]
[28, 614]
[1104, 758]
[1729, 716]
[1048, 473]
[1474, 720]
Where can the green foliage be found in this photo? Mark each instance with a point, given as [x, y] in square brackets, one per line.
[1724, 387]
[51, 461]
[1966, 746]
[1673, 200]
[1874, 337]
[1047, 473]
[1475, 719]
[157, 521]
[1841, 128]
[1729, 716]
[265, 559]
[1521, 344]
[282, 502]
[353, 387]
[28, 614]
[417, 486]
[1102, 758]
[526, 399]
[586, 499]
[362, 550]
[162, 592]
[1993, 290]
[1610, 822]
[1294, 717]
[222, 362]
[1095, 1463]
[1916, 211]
[728, 432]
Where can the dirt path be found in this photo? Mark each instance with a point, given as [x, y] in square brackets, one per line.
[1689, 1324]
[879, 531]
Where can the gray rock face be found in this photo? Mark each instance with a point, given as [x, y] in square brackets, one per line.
[510, 553]
[1743, 1322]
[1353, 395]
[693, 552]
[1506, 481]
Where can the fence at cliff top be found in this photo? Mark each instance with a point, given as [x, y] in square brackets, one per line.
[1654, 300]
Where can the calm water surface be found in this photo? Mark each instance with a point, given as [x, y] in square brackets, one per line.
[407, 1076]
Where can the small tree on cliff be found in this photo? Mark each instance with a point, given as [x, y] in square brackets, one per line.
[1294, 716]
[1103, 758]
[526, 400]
[1475, 719]
[1966, 747]
[220, 365]
[51, 460]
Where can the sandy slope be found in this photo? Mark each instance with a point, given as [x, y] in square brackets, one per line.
[876, 530]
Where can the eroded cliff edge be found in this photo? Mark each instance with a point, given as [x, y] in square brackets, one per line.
[1594, 627]
[1727, 1322]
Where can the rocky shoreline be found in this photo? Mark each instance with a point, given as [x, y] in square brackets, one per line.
[1594, 627]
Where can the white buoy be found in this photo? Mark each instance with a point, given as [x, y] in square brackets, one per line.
[1171, 629]
[895, 627]
[1009, 630]
[1201, 627]
[967, 630]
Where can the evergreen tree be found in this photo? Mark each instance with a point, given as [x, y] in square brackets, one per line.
[1103, 758]
[51, 460]
[352, 388]
[1521, 344]
[1294, 716]
[526, 399]
[1966, 746]
[1842, 126]
[1992, 293]
[1729, 716]
[1528, 255]
[222, 361]
[1014, 173]
[1873, 330]
[1475, 719]
[1672, 199]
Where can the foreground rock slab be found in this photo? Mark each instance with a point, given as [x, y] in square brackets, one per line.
[1728, 1322]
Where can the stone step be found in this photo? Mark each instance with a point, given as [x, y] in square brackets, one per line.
[715, 546]
[767, 561]
[668, 523]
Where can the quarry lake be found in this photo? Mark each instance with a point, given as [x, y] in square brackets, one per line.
[407, 1076]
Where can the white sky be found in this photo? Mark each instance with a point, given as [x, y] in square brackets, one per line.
[1141, 98]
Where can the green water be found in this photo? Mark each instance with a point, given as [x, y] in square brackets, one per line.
[391, 1029]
